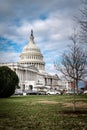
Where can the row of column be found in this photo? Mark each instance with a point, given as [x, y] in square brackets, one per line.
[32, 57]
[51, 82]
[25, 75]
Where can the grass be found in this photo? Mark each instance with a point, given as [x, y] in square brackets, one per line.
[43, 113]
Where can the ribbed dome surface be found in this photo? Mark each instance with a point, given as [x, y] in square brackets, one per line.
[31, 47]
[31, 55]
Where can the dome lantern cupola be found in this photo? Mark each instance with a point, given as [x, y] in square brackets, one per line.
[31, 36]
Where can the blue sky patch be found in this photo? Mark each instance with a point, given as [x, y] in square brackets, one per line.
[8, 45]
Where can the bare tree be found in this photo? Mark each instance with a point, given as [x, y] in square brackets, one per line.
[82, 20]
[73, 62]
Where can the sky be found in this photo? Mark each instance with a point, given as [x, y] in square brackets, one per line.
[52, 22]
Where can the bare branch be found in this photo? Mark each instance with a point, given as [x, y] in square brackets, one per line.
[83, 22]
[73, 62]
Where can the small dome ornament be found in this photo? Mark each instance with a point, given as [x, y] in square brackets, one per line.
[31, 32]
[31, 36]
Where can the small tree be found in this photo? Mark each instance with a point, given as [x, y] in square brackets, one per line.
[8, 81]
[73, 64]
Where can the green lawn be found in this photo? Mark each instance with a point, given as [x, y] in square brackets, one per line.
[43, 113]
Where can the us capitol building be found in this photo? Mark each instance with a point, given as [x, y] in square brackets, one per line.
[31, 69]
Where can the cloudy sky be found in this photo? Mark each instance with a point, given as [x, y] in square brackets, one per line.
[52, 23]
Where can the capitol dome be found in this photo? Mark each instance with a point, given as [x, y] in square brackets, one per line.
[31, 55]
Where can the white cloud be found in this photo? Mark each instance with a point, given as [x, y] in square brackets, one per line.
[9, 57]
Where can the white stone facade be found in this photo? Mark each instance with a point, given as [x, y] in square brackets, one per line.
[31, 69]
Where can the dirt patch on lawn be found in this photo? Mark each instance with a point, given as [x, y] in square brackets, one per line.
[78, 104]
[48, 102]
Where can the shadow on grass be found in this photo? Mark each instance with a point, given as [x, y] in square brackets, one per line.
[77, 112]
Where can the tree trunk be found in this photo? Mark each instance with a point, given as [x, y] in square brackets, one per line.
[74, 103]
[76, 86]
